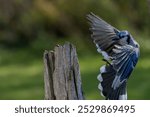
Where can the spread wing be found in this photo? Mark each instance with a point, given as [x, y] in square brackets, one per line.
[122, 55]
[124, 60]
[103, 34]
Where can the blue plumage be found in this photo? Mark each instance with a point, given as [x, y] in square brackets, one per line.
[121, 53]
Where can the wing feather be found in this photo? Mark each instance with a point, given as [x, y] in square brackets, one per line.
[124, 63]
[103, 34]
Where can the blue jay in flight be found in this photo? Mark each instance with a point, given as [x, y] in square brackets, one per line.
[120, 52]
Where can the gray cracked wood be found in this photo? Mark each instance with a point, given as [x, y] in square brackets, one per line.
[62, 77]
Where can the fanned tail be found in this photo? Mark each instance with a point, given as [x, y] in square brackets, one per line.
[106, 78]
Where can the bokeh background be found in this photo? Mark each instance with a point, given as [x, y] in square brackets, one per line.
[28, 27]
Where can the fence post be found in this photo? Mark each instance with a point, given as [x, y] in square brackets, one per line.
[62, 74]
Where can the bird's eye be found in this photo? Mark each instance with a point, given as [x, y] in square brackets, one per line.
[121, 36]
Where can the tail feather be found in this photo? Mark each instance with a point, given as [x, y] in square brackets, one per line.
[106, 78]
[118, 94]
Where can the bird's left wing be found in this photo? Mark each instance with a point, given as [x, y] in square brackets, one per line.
[124, 60]
[103, 34]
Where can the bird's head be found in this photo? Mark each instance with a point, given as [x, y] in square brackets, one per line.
[123, 34]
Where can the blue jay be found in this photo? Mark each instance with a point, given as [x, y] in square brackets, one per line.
[120, 52]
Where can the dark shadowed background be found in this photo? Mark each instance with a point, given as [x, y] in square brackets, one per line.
[28, 27]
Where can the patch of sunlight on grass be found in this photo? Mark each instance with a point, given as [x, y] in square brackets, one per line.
[21, 69]
[90, 63]
[22, 81]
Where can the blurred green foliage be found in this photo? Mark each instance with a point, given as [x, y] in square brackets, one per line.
[28, 27]
[24, 21]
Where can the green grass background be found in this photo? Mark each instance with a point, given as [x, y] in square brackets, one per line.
[21, 74]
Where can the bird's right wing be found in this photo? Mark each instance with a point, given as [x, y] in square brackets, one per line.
[124, 60]
[113, 78]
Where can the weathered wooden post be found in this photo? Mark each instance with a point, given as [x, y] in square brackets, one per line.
[62, 74]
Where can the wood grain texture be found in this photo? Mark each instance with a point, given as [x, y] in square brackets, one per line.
[62, 74]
